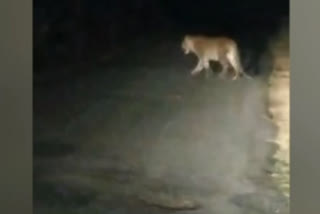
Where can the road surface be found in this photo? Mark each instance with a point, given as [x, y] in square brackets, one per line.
[139, 135]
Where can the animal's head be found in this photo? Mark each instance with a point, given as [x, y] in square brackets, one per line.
[186, 44]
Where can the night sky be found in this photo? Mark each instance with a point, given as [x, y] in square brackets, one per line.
[72, 31]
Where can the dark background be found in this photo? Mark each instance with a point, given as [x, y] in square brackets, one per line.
[73, 32]
[112, 95]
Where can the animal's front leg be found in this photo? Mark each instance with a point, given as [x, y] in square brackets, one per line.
[198, 68]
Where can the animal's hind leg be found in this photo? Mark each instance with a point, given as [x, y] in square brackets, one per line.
[232, 60]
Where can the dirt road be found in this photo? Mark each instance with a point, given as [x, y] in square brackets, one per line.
[139, 135]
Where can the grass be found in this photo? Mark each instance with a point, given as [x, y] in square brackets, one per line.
[279, 109]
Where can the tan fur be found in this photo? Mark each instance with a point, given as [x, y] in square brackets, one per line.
[221, 49]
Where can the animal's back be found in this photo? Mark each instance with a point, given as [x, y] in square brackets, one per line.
[212, 46]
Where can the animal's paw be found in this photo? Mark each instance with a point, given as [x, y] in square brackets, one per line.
[194, 73]
[235, 77]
